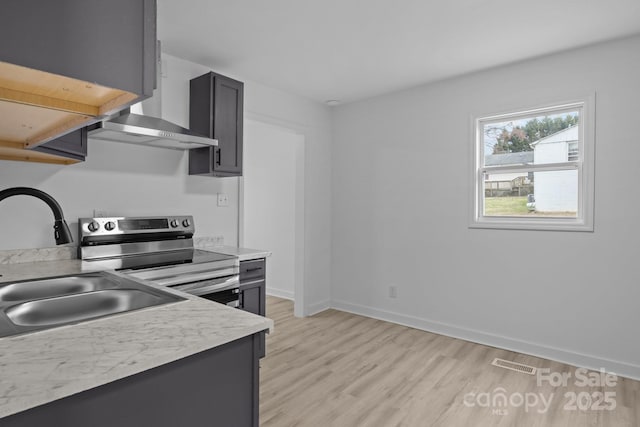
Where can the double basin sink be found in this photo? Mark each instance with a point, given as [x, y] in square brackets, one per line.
[34, 305]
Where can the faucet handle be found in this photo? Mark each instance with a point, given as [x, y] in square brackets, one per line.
[61, 232]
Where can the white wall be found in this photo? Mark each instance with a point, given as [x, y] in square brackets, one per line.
[130, 180]
[269, 195]
[309, 118]
[313, 120]
[570, 296]
[119, 179]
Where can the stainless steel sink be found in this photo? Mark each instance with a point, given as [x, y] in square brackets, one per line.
[53, 287]
[41, 304]
[74, 308]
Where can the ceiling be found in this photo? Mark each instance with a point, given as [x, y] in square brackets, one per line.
[349, 50]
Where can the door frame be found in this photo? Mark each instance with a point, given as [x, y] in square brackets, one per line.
[299, 300]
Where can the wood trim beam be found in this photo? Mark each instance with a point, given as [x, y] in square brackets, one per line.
[48, 102]
[73, 123]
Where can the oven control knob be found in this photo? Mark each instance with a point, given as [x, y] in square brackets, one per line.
[186, 222]
[110, 225]
[174, 223]
[94, 226]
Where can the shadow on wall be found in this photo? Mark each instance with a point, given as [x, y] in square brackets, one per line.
[117, 179]
[133, 159]
[206, 185]
[129, 158]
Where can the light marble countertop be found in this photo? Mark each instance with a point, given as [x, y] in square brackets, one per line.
[37, 269]
[244, 254]
[40, 367]
[12, 256]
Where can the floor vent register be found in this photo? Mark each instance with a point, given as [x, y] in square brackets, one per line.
[514, 366]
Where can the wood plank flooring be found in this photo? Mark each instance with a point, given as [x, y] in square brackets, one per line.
[343, 370]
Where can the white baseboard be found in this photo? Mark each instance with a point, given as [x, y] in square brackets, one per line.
[564, 356]
[311, 309]
[318, 307]
[280, 293]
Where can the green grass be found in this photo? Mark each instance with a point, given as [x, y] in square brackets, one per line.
[505, 206]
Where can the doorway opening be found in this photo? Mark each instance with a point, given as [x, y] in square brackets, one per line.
[272, 205]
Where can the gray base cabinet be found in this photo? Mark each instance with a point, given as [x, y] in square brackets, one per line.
[217, 387]
[253, 292]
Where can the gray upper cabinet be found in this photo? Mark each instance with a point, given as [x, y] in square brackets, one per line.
[216, 107]
[71, 146]
[111, 43]
[68, 63]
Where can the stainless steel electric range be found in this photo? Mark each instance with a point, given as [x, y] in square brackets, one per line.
[159, 249]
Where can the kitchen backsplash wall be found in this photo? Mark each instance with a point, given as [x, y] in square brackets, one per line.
[17, 256]
[120, 180]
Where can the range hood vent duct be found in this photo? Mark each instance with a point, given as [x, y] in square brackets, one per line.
[142, 124]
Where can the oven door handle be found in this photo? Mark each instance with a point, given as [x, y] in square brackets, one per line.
[177, 279]
[210, 286]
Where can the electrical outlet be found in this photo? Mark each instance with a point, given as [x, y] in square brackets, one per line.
[218, 240]
[393, 291]
[223, 199]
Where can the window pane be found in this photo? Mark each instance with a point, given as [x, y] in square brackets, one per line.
[538, 139]
[531, 194]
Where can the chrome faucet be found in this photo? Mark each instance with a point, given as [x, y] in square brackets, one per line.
[60, 228]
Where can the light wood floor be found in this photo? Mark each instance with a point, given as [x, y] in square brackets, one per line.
[340, 369]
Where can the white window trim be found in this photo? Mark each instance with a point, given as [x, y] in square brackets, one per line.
[585, 167]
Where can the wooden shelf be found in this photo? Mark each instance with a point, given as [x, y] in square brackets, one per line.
[36, 106]
[17, 152]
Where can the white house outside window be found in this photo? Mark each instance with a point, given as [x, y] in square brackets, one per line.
[572, 151]
[534, 169]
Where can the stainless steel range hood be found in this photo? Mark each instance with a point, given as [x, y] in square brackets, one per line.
[142, 124]
[151, 131]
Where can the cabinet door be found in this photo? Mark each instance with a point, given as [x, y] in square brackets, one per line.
[216, 107]
[217, 387]
[227, 126]
[253, 300]
[72, 145]
[253, 295]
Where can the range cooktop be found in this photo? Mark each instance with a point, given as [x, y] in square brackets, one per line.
[158, 259]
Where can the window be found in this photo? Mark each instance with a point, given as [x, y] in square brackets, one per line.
[534, 169]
